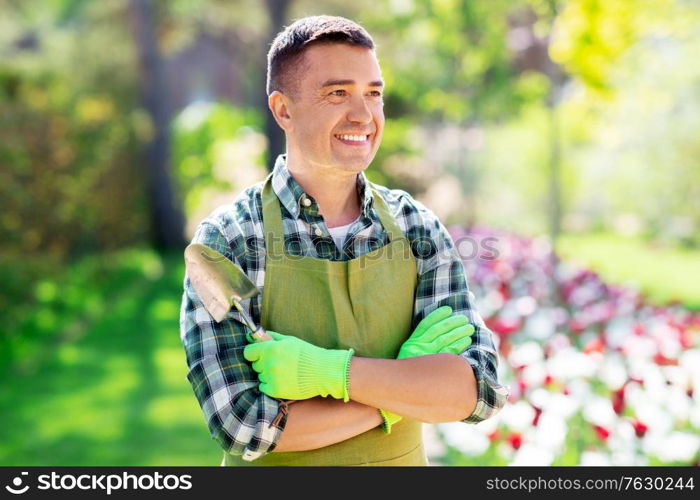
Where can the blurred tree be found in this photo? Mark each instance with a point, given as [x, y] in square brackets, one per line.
[70, 181]
[277, 12]
[167, 224]
[634, 112]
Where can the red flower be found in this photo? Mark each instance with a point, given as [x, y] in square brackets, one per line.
[503, 326]
[494, 435]
[602, 432]
[522, 386]
[515, 440]
[548, 380]
[595, 345]
[639, 428]
[618, 400]
[503, 287]
[538, 412]
[637, 380]
[662, 360]
[576, 325]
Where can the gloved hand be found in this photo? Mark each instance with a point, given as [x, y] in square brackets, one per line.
[440, 331]
[291, 368]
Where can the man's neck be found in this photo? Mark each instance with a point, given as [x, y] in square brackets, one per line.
[334, 191]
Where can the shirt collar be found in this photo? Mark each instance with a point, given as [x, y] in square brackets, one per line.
[292, 196]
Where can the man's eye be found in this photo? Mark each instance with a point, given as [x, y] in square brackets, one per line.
[375, 93]
[338, 93]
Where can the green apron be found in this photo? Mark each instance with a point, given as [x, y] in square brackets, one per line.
[364, 303]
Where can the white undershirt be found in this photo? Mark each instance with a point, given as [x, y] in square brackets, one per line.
[340, 233]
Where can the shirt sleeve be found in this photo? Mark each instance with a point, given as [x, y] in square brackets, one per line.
[238, 415]
[443, 282]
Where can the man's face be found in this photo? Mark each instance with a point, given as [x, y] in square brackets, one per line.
[336, 111]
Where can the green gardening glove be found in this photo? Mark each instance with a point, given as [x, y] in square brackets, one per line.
[291, 368]
[440, 331]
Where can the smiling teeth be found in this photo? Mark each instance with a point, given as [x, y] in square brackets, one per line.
[355, 138]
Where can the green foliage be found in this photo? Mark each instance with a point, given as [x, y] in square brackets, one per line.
[449, 60]
[70, 181]
[212, 144]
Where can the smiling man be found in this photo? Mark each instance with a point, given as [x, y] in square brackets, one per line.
[363, 292]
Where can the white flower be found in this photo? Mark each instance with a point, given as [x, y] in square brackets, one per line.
[579, 389]
[539, 397]
[525, 305]
[527, 353]
[518, 416]
[570, 364]
[599, 411]
[551, 431]
[694, 415]
[612, 371]
[563, 405]
[649, 409]
[678, 404]
[534, 374]
[594, 458]
[617, 331]
[676, 447]
[531, 454]
[690, 360]
[464, 437]
[434, 447]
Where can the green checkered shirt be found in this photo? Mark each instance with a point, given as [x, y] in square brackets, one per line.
[237, 414]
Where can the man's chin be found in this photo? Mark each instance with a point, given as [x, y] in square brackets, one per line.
[352, 165]
[357, 164]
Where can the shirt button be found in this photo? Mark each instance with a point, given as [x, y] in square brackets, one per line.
[318, 231]
[306, 202]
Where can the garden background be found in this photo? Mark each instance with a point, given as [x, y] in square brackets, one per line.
[567, 131]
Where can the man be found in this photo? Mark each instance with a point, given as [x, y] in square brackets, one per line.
[353, 276]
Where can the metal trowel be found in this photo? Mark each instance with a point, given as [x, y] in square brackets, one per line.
[220, 284]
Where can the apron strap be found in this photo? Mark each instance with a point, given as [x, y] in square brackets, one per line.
[388, 221]
[272, 220]
[274, 228]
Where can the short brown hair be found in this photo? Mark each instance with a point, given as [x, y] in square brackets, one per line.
[288, 47]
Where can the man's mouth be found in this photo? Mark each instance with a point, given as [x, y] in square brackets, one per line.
[353, 139]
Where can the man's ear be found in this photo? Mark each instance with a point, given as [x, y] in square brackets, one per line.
[279, 106]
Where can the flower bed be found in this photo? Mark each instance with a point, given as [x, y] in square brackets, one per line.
[597, 375]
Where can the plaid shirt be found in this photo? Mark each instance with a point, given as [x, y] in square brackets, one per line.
[238, 415]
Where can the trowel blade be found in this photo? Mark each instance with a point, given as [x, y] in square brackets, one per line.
[217, 280]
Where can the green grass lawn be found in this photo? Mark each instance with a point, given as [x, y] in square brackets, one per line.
[663, 274]
[114, 391]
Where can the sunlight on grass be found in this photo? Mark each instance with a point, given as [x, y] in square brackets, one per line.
[164, 309]
[176, 409]
[172, 367]
[96, 409]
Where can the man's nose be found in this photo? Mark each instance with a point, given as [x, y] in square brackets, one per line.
[359, 111]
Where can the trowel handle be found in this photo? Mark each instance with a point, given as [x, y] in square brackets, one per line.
[261, 335]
